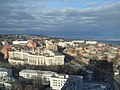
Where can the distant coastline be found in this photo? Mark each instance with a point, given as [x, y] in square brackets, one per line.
[105, 39]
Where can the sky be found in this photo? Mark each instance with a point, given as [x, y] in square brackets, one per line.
[62, 18]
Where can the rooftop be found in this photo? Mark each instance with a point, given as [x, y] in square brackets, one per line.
[62, 76]
[36, 71]
[73, 83]
[4, 69]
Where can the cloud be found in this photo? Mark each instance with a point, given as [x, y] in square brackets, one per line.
[38, 17]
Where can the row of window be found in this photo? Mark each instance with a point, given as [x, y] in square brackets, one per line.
[32, 61]
[58, 82]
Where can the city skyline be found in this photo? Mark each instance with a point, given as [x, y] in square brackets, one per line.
[71, 18]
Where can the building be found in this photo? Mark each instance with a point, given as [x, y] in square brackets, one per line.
[46, 58]
[6, 83]
[6, 79]
[91, 42]
[5, 72]
[62, 44]
[65, 44]
[33, 74]
[31, 44]
[78, 41]
[19, 42]
[5, 50]
[85, 59]
[51, 45]
[57, 81]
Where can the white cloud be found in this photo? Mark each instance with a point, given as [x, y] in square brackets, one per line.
[39, 17]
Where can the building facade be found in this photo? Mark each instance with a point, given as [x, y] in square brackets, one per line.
[91, 42]
[34, 74]
[18, 57]
[19, 42]
[58, 81]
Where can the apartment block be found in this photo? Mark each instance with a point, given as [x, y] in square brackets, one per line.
[34, 74]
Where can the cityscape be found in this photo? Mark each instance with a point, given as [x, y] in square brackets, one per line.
[59, 44]
[29, 62]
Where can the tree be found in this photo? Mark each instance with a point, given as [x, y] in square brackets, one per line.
[17, 86]
[29, 87]
[37, 83]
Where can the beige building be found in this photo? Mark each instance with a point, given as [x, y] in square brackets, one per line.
[85, 60]
[47, 58]
[5, 50]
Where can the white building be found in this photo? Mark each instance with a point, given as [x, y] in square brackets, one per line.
[5, 72]
[47, 58]
[91, 42]
[62, 44]
[19, 42]
[33, 74]
[69, 43]
[78, 41]
[58, 81]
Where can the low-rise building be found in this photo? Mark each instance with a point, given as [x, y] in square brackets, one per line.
[19, 42]
[5, 72]
[5, 51]
[85, 60]
[31, 44]
[6, 79]
[62, 44]
[57, 81]
[91, 42]
[78, 41]
[34, 74]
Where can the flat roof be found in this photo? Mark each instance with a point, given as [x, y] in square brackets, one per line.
[4, 69]
[36, 71]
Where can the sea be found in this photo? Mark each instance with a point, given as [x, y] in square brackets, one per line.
[112, 41]
[108, 40]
